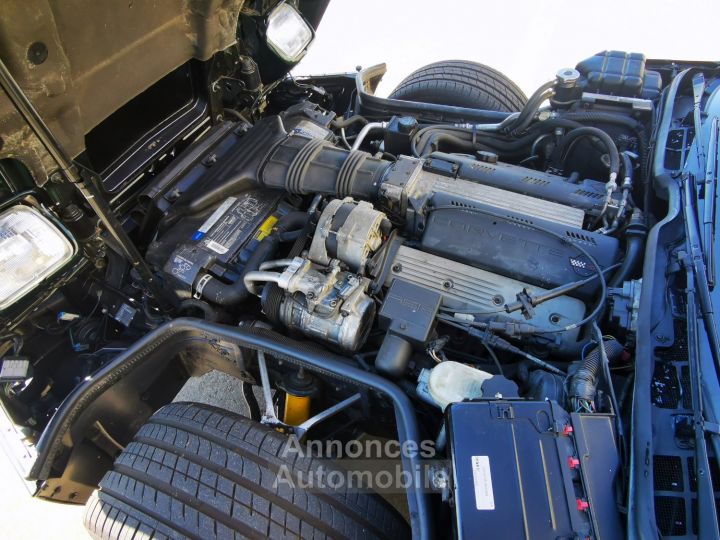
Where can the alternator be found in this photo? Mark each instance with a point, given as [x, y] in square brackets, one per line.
[350, 231]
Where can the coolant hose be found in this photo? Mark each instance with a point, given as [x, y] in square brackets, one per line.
[626, 122]
[531, 107]
[504, 147]
[559, 154]
[172, 337]
[635, 235]
[228, 294]
[607, 118]
[455, 142]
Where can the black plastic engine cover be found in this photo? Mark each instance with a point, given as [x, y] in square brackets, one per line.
[589, 195]
[504, 245]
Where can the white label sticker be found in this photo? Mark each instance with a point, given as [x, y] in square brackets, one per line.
[484, 497]
[218, 248]
[217, 214]
[14, 369]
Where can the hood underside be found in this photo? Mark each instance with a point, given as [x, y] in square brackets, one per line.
[80, 60]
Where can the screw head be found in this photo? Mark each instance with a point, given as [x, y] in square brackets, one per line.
[57, 177]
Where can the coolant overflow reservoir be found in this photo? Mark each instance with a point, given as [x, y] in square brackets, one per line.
[451, 382]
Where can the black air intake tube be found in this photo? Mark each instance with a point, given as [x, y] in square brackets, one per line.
[302, 165]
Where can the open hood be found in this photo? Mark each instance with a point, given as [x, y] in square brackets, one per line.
[81, 60]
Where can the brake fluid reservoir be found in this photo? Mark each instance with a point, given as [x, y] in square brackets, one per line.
[451, 382]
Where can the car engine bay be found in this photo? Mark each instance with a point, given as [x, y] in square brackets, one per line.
[489, 269]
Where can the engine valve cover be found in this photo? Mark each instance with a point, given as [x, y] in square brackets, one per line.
[507, 244]
[463, 287]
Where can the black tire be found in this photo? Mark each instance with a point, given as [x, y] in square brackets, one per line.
[195, 471]
[463, 84]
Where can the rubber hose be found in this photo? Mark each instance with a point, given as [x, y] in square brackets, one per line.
[624, 121]
[635, 235]
[627, 166]
[608, 118]
[167, 340]
[210, 313]
[583, 383]
[345, 122]
[509, 147]
[309, 227]
[228, 294]
[559, 154]
[454, 141]
[531, 107]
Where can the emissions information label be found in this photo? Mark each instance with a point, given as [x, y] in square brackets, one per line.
[231, 223]
[212, 220]
[484, 498]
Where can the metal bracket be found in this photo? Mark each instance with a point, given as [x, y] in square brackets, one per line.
[637, 104]
[269, 417]
[303, 428]
[711, 427]
[526, 303]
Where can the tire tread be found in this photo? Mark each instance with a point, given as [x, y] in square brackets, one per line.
[461, 83]
[195, 471]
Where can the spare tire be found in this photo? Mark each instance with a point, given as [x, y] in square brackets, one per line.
[195, 471]
[463, 84]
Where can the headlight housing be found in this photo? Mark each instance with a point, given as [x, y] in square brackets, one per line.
[31, 250]
[287, 33]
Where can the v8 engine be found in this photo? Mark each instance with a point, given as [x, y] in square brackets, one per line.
[479, 240]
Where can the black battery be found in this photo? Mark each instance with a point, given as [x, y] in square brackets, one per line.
[528, 469]
[218, 241]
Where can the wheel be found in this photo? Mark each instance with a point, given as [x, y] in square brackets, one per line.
[463, 84]
[195, 471]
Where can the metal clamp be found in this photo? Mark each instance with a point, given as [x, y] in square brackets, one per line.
[201, 285]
